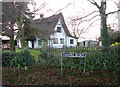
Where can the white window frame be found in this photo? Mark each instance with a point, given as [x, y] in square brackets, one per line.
[55, 40]
[72, 41]
[61, 40]
[59, 29]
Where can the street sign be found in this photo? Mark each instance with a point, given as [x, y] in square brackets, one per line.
[82, 55]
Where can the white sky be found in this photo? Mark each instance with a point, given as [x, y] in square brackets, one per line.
[78, 7]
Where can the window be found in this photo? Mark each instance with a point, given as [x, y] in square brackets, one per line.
[59, 29]
[84, 43]
[55, 41]
[61, 40]
[71, 41]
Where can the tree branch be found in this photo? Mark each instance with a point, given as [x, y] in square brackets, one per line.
[92, 23]
[94, 3]
[40, 7]
[86, 15]
[112, 12]
[62, 8]
[92, 18]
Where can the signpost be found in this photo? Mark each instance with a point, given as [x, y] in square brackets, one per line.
[73, 55]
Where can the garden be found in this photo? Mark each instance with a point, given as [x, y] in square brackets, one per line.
[42, 67]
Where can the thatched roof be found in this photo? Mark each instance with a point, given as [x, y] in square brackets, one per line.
[45, 26]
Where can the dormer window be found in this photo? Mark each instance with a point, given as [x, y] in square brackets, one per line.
[59, 29]
[71, 41]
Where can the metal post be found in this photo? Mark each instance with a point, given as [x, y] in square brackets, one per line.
[84, 64]
[61, 66]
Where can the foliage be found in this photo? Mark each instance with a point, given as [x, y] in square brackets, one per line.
[26, 31]
[44, 75]
[114, 36]
[8, 21]
[101, 68]
[47, 58]
[116, 43]
[17, 59]
[96, 60]
[33, 52]
[6, 58]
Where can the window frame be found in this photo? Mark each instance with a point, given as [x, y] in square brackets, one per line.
[59, 29]
[61, 40]
[55, 40]
[72, 41]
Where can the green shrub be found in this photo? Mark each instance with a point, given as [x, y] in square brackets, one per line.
[23, 58]
[6, 58]
[96, 60]
[47, 58]
[13, 60]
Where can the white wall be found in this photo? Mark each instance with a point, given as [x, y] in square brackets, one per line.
[30, 44]
[36, 43]
[74, 42]
[62, 35]
[19, 44]
[58, 35]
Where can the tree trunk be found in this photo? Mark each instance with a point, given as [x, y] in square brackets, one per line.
[22, 37]
[21, 33]
[104, 30]
[12, 44]
[22, 40]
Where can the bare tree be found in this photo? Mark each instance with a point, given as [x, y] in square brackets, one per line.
[75, 26]
[103, 18]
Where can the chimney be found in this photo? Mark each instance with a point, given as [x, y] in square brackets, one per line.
[41, 16]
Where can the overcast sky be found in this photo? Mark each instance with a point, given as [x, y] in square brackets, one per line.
[78, 7]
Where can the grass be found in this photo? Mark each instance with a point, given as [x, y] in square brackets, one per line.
[35, 53]
[47, 75]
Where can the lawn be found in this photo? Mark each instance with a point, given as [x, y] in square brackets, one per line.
[46, 75]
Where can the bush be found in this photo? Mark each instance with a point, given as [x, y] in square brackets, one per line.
[96, 60]
[47, 58]
[13, 60]
[6, 58]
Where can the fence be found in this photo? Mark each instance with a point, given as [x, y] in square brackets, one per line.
[97, 59]
[57, 52]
